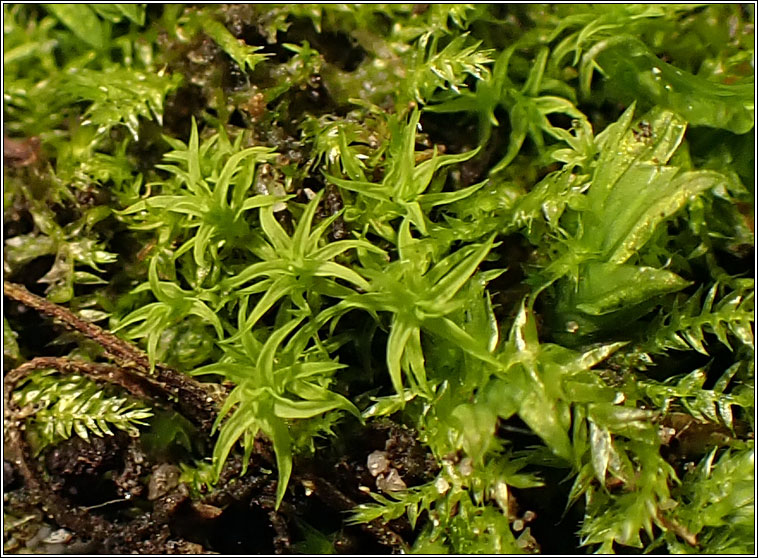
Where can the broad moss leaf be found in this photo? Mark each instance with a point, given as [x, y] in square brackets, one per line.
[631, 67]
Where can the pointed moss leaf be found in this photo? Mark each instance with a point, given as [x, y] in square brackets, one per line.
[631, 68]
[234, 165]
[277, 430]
[652, 140]
[389, 404]
[288, 409]
[476, 423]
[244, 56]
[82, 21]
[332, 269]
[600, 443]
[116, 12]
[399, 334]
[422, 174]
[242, 420]
[606, 288]
[301, 236]
[334, 249]
[202, 239]
[10, 345]
[622, 420]
[266, 359]
[452, 282]
[274, 232]
[447, 329]
[662, 198]
[542, 414]
[432, 200]
[179, 204]
[201, 309]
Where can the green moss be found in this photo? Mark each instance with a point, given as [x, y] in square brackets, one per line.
[491, 223]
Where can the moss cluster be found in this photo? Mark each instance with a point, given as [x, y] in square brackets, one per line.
[492, 264]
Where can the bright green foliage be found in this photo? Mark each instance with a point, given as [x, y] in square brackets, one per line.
[244, 56]
[173, 304]
[538, 381]
[629, 182]
[446, 69]
[71, 244]
[714, 405]
[620, 519]
[271, 387]
[523, 232]
[527, 111]
[77, 405]
[633, 69]
[295, 267]
[120, 96]
[90, 23]
[203, 181]
[402, 191]
[418, 297]
[460, 488]
[343, 145]
[10, 345]
[718, 504]
[687, 324]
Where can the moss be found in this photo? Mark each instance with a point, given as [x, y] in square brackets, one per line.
[501, 246]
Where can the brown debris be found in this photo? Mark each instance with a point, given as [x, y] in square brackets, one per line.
[20, 153]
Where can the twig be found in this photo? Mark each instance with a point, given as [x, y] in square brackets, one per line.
[193, 399]
[120, 350]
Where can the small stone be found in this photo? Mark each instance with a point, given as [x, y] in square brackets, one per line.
[207, 511]
[60, 536]
[308, 487]
[391, 483]
[164, 479]
[666, 434]
[377, 463]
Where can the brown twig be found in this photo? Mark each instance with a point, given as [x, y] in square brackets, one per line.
[193, 399]
[120, 350]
